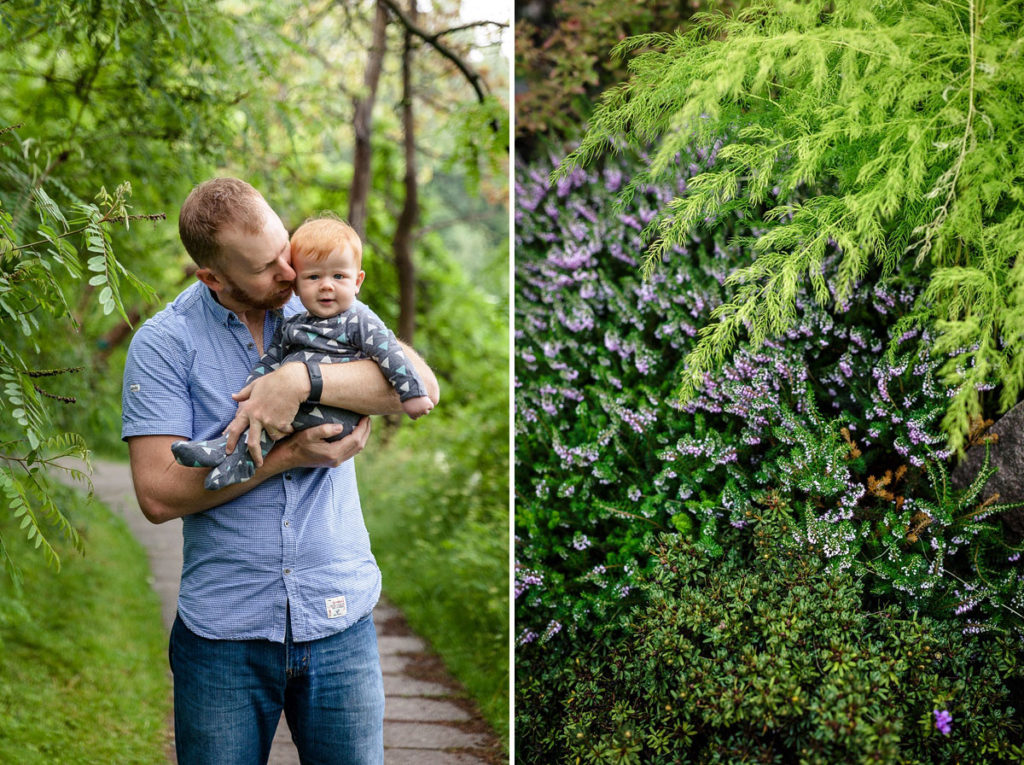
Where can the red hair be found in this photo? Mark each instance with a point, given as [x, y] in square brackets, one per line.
[319, 237]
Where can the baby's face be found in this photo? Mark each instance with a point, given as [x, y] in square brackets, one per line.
[327, 287]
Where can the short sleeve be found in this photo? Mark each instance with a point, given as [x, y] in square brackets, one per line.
[155, 398]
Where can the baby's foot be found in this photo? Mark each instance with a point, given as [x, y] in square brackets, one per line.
[200, 453]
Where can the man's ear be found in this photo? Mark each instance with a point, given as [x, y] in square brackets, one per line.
[210, 279]
[359, 279]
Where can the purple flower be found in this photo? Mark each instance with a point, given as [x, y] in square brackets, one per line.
[942, 721]
[527, 636]
[553, 628]
[580, 541]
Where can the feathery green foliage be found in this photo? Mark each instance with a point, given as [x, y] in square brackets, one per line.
[889, 128]
[43, 257]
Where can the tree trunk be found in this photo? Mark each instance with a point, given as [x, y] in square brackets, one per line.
[409, 217]
[357, 211]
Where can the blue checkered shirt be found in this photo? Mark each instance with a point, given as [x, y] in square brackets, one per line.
[295, 542]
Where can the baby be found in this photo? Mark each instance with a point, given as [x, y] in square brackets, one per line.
[335, 327]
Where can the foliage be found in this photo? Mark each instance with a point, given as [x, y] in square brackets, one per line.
[123, 91]
[440, 531]
[764, 655]
[102, 93]
[561, 56]
[887, 130]
[480, 149]
[38, 271]
[165, 95]
[83, 674]
[819, 418]
[440, 536]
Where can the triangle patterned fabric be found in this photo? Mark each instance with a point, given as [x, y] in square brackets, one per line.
[358, 333]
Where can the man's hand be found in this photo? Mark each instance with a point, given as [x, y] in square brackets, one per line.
[308, 448]
[418, 406]
[269, 404]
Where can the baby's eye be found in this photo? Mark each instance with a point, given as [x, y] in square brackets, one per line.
[313, 277]
[339, 276]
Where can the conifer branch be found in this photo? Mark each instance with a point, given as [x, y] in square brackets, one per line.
[967, 140]
[862, 127]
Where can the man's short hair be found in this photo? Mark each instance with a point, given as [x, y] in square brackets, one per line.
[213, 206]
[319, 237]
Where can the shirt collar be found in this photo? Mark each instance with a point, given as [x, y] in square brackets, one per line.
[220, 314]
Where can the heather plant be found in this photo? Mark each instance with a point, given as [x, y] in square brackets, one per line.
[607, 457]
[884, 135]
[764, 655]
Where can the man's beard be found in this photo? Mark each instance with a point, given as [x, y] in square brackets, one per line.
[267, 302]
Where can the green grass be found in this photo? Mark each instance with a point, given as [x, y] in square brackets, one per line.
[83, 662]
[441, 541]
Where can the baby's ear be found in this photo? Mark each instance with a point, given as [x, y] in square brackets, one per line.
[359, 279]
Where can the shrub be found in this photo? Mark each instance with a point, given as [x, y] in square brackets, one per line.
[562, 60]
[436, 492]
[765, 655]
[607, 457]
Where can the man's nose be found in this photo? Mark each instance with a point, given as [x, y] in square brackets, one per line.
[287, 272]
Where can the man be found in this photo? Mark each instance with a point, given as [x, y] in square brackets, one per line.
[278, 581]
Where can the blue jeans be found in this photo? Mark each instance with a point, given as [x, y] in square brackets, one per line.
[229, 694]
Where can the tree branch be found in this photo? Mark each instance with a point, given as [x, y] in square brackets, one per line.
[471, 25]
[475, 80]
[104, 219]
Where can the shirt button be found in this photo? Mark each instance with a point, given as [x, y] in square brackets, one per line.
[288, 476]
[252, 345]
[287, 523]
[287, 571]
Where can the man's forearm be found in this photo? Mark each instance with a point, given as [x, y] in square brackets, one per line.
[361, 387]
[167, 490]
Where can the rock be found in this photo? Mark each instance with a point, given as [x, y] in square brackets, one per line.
[1006, 454]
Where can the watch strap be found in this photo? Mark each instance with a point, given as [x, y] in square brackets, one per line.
[316, 381]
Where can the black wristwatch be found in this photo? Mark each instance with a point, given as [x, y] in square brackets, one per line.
[316, 381]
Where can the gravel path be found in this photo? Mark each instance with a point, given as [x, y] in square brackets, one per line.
[428, 718]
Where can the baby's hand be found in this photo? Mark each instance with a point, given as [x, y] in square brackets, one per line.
[417, 407]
